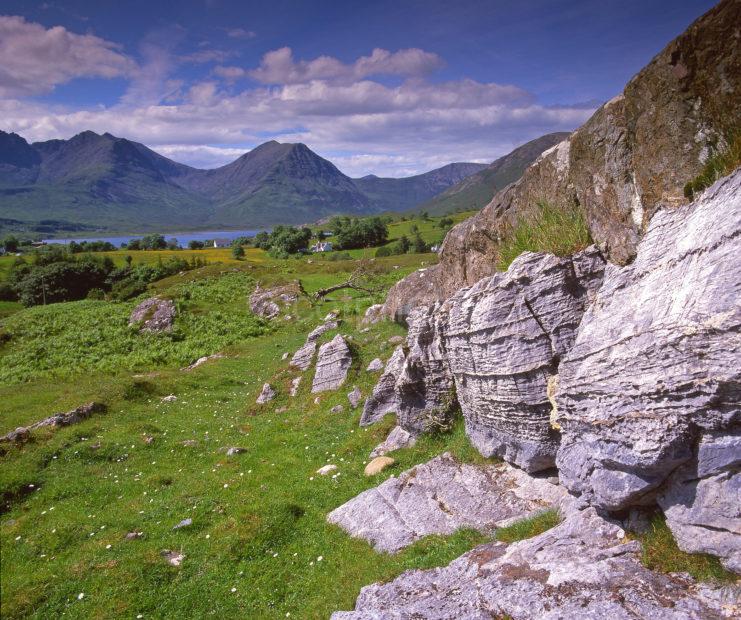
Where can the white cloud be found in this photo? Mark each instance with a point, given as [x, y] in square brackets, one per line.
[279, 67]
[240, 33]
[336, 108]
[34, 59]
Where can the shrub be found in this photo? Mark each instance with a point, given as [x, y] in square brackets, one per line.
[559, 231]
[352, 233]
[237, 251]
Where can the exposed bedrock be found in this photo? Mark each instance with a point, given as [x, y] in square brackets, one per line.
[632, 157]
[494, 347]
[653, 381]
[582, 569]
[504, 338]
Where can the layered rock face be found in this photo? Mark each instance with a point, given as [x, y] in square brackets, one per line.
[269, 302]
[332, 364]
[494, 346]
[631, 158]
[583, 569]
[504, 338]
[653, 380]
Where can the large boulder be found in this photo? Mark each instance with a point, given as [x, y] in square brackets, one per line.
[383, 400]
[441, 496]
[633, 156]
[583, 569]
[333, 362]
[648, 397]
[303, 357]
[154, 315]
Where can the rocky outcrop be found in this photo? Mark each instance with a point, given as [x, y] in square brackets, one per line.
[503, 340]
[633, 156]
[440, 497]
[322, 329]
[154, 315]
[583, 569]
[75, 416]
[655, 364]
[268, 303]
[372, 315]
[493, 347]
[333, 362]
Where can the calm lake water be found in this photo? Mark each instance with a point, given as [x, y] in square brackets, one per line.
[183, 238]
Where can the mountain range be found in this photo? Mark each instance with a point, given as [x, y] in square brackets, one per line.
[103, 182]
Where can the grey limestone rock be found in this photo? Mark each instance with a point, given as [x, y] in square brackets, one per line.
[655, 364]
[303, 357]
[295, 383]
[701, 499]
[355, 397]
[333, 362]
[582, 569]
[376, 365]
[154, 315]
[383, 400]
[75, 416]
[398, 438]
[322, 329]
[269, 302]
[439, 497]
[266, 394]
[372, 315]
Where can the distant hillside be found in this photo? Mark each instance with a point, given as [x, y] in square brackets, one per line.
[403, 194]
[476, 190]
[116, 184]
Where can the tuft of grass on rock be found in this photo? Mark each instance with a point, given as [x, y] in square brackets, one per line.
[529, 527]
[661, 553]
[559, 231]
[717, 166]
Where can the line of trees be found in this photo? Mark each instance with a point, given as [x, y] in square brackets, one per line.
[55, 275]
[352, 233]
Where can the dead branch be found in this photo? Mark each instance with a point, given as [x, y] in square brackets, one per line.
[359, 280]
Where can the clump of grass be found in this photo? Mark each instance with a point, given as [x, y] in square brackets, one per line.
[661, 553]
[528, 528]
[717, 166]
[559, 231]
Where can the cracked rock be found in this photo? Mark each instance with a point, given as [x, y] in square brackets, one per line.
[333, 362]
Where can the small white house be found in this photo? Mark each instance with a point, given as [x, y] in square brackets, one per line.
[321, 246]
[222, 243]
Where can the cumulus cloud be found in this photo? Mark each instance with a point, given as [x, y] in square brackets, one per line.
[34, 59]
[337, 108]
[279, 67]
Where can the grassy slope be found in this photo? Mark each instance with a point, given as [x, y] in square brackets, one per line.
[258, 518]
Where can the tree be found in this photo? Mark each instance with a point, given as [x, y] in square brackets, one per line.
[195, 245]
[445, 222]
[358, 233]
[403, 245]
[11, 243]
[154, 242]
[418, 245]
[237, 251]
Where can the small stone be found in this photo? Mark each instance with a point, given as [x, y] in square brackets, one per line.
[295, 385]
[173, 558]
[235, 450]
[398, 438]
[375, 366]
[396, 340]
[133, 535]
[327, 469]
[170, 398]
[189, 443]
[378, 464]
[285, 356]
[304, 356]
[148, 439]
[337, 409]
[183, 523]
[355, 397]
[267, 394]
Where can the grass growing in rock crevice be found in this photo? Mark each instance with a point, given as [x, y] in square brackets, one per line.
[661, 553]
[559, 231]
[528, 528]
[717, 166]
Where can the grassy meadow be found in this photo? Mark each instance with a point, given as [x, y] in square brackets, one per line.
[259, 545]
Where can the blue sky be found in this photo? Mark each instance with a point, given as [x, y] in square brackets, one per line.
[390, 88]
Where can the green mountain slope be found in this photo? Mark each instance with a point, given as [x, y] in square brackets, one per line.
[476, 190]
